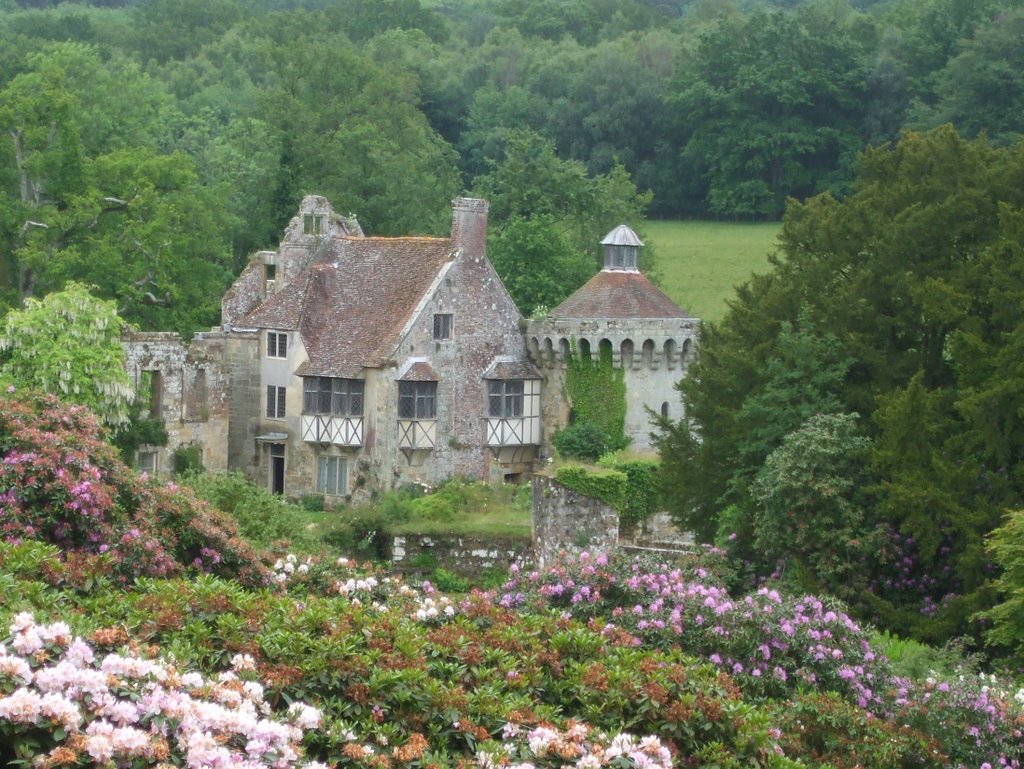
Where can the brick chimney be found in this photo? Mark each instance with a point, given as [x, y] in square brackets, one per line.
[469, 226]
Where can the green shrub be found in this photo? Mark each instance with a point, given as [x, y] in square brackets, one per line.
[263, 518]
[642, 499]
[449, 582]
[607, 485]
[312, 503]
[188, 459]
[583, 439]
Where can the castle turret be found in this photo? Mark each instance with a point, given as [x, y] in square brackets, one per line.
[621, 317]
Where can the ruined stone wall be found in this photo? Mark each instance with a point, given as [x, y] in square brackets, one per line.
[191, 392]
[464, 555]
[564, 519]
[241, 363]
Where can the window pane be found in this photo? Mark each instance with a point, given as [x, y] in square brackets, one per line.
[309, 395]
[406, 400]
[356, 398]
[443, 326]
[321, 475]
[271, 401]
[282, 345]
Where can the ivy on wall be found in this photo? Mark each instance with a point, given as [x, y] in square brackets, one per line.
[642, 499]
[607, 485]
[597, 392]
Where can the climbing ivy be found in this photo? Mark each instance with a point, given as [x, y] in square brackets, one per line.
[597, 392]
[642, 499]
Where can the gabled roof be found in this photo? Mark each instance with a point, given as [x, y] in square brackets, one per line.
[507, 368]
[618, 294]
[352, 304]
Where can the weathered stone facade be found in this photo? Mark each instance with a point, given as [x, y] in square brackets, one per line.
[347, 364]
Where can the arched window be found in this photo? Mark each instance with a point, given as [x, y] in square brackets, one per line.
[647, 354]
[626, 352]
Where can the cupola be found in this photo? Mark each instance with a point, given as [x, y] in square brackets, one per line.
[621, 249]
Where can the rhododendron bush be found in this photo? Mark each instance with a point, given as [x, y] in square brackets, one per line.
[403, 676]
[60, 482]
[64, 701]
[143, 631]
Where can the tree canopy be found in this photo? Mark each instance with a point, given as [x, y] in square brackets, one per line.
[69, 344]
[900, 303]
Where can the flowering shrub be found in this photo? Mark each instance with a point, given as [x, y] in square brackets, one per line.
[577, 745]
[62, 483]
[770, 642]
[62, 703]
[774, 645]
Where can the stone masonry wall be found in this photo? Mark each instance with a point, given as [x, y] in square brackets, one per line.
[564, 519]
[467, 556]
[192, 393]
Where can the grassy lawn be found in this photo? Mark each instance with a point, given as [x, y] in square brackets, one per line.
[701, 263]
[458, 509]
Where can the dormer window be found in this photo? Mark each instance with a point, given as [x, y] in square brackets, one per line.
[269, 277]
[313, 224]
[417, 400]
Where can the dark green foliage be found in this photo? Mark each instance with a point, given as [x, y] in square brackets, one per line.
[641, 499]
[597, 393]
[769, 105]
[188, 459]
[547, 217]
[582, 439]
[609, 486]
[809, 505]
[263, 518]
[900, 303]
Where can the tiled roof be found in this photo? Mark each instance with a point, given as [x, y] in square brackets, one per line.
[618, 294]
[419, 371]
[512, 369]
[353, 302]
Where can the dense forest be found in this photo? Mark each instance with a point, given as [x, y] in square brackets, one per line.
[149, 147]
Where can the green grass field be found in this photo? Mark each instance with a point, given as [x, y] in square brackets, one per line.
[701, 263]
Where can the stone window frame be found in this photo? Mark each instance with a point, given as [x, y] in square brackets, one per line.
[277, 344]
[313, 224]
[277, 397]
[417, 400]
[331, 475]
[444, 326]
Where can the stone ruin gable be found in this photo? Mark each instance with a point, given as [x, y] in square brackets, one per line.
[305, 238]
[485, 326]
[655, 354]
[191, 391]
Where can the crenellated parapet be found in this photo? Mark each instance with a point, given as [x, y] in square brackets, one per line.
[635, 344]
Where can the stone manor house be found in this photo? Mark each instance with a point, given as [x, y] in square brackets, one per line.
[346, 364]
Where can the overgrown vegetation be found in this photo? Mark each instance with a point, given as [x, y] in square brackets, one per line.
[597, 392]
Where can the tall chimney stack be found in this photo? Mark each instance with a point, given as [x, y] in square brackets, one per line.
[469, 226]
